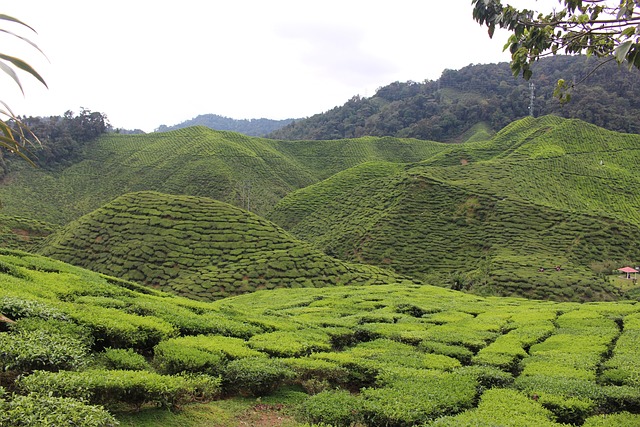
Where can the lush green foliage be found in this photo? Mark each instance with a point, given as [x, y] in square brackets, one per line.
[533, 362]
[199, 248]
[472, 103]
[252, 173]
[43, 410]
[124, 359]
[107, 387]
[256, 376]
[489, 224]
[31, 350]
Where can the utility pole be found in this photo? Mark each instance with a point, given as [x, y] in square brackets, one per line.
[532, 97]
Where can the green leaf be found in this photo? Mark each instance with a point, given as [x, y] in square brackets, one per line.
[7, 69]
[17, 21]
[622, 51]
[24, 39]
[23, 66]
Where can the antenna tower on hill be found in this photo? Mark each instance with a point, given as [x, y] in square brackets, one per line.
[532, 97]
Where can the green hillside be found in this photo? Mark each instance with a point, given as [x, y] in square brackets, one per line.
[22, 233]
[198, 248]
[249, 172]
[487, 215]
[72, 339]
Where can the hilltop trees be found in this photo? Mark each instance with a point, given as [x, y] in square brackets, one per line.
[594, 27]
[61, 137]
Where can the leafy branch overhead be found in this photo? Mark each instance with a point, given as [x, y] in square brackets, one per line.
[593, 27]
[14, 139]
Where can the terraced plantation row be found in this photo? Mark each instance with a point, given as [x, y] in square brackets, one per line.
[563, 164]
[487, 216]
[340, 355]
[199, 248]
[434, 231]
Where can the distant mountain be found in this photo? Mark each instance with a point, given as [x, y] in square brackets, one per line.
[251, 127]
[444, 110]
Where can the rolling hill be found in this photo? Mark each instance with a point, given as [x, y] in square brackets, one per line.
[488, 215]
[253, 173]
[199, 248]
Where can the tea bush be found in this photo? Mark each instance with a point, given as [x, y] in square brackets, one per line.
[501, 407]
[291, 344]
[256, 376]
[107, 387]
[337, 408]
[114, 328]
[17, 308]
[124, 359]
[170, 357]
[613, 420]
[54, 326]
[413, 396]
[43, 410]
[463, 354]
[30, 350]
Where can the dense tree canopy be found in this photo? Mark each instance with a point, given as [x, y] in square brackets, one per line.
[61, 137]
[444, 110]
[600, 28]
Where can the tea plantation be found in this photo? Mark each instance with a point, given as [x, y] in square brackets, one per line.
[249, 172]
[199, 248]
[85, 348]
[487, 216]
[234, 281]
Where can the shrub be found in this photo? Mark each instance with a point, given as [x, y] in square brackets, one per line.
[338, 408]
[316, 375]
[54, 326]
[291, 343]
[501, 407]
[17, 308]
[255, 376]
[46, 411]
[125, 359]
[114, 328]
[31, 350]
[109, 387]
[569, 410]
[613, 420]
[424, 395]
[487, 376]
[170, 357]
[463, 354]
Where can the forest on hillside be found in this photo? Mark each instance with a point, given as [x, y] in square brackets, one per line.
[251, 127]
[445, 109]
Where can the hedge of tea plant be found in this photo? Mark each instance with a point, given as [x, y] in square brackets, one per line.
[199, 248]
[227, 166]
[464, 359]
[543, 193]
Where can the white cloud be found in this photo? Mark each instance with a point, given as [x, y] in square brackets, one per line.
[162, 62]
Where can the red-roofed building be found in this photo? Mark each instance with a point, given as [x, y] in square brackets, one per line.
[628, 271]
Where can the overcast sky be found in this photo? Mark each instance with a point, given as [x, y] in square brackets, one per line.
[147, 63]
